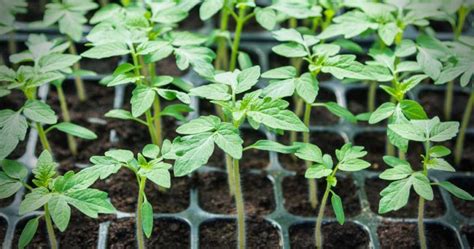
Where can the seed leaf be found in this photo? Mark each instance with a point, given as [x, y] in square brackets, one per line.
[336, 203]
[28, 232]
[456, 191]
[75, 130]
[317, 171]
[147, 218]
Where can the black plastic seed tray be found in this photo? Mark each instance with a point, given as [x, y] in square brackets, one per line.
[367, 220]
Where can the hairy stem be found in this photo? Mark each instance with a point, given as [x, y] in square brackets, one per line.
[81, 92]
[319, 219]
[222, 56]
[49, 227]
[156, 108]
[462, 131]
[67, 118]
[421, 225]
[313, 187]
[371, 96]
[230, 174]
[139, 224]
[239, 203]
[236, 43]
[43, 139]
[151, 127]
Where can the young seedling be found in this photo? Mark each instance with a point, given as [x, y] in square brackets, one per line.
[54, 194]
[349, 160]
[7, 20]
[200, 135]
[48, 65]
[127, 31]
[459, 66]
[396, 194]
[321, 58]
[148, 165]
[69, 15]
[387, 20]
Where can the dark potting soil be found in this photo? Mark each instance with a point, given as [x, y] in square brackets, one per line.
[434, 208]
[123, 192]
[89, 114]
[260, 234]
[328, 142]
[468, 231]
[357, 100]
[466, 208]
[34, 12]
[168, 67]
[405, 235]
[295, 192]
[3, 229]
[166, 233]
[7, 201]
[433, 103]
[374, 143]
[82, 232]
[335, 236]
[193, 22]
[214, 197]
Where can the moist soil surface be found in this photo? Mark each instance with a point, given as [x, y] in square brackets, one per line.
[405, 235]
[123, 192]
[374, 143]
[433, 103]
[89, 114]
[7, 201]
[213, 192]
[466, 208]
[85, 235]
[295, 192]
[260, 234]
[167, 233]
[335, 236]
[328, 142]
[434, 208]
[468, 231]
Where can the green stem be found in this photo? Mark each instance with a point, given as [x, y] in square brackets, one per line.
[139, 225]
[313, 187]
[319, 219]
[462, 131]
[151, 127]
[81, 92]
[421, 225]
[230, 174]
[66, 118]
[239, 202]
[43, 138]
[156, 108]
[49, 227]
[448, 100]
[372, 94]
[222, 56]
[237, 34]
[12, 48]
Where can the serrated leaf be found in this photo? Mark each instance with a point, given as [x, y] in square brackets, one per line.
[395, 195]
[212, 92]
[40, 112]
[307, 87]
[199, 125]
[60, 212]
[142, 100]
[106, 50]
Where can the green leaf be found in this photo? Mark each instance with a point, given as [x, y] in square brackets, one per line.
[147, 218]
[395, 195]
[9, 186]
[212, 92]
[34, 200]
[408, 131]
[444, 131]
[60, 212]
[288, 35]
[40, 112]
[422, 186]
[412, 109]
[209, 8]
[280, 89]
[244, 60]
[142, 100]
[124, 156]
[430, 65]
[336, 204]
[199, 125]
[269, 145]
[286, 72]
[456, 191]
[75, 130]
[290, 50]
[177, 111]
[439, 151]
[353, 165]
[285, 120]
[247, 79]
[159, 176]
[228, 139]
[91, 202]
[309, 152]
[123, 68]
[28, 232]
[387, 32]
[326, 50]
[266, 17]
[307, 88]
[45, 169]
[398, 172]
[405, 49]
[340, 111]
[106, 50]
[57, 61]
[382, 112]
[317, 171]
[151, 151]
[173, 94]
[199, 57]
[14, 169]
[196, 150]
[119, 114]
[440, 164]
[13, 129]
